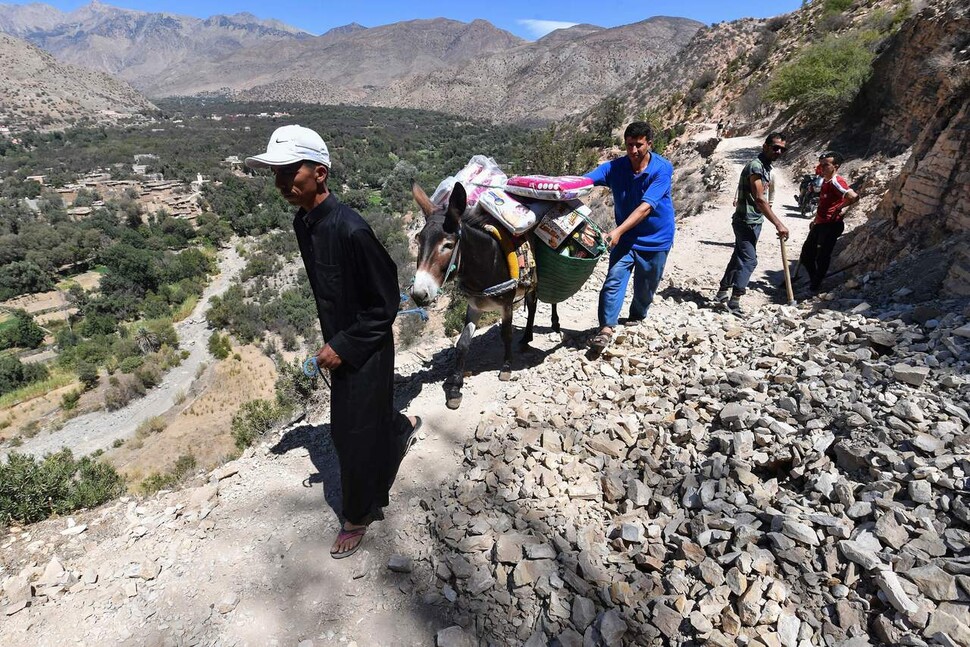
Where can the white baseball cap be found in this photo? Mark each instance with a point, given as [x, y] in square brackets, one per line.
[289, 144]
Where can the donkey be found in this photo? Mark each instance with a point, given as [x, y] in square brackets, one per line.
[453, 243]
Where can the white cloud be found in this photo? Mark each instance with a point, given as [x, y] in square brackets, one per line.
[540, 28]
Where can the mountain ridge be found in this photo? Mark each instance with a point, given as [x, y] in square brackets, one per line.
[473, 68]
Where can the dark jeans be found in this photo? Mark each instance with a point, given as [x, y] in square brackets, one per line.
[817, 251]
[744, 259]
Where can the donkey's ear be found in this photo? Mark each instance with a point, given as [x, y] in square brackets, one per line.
[457, 204]
[422, 199]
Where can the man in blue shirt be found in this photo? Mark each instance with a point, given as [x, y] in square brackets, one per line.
[644, 232]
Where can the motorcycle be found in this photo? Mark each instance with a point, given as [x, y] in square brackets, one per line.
[808, 192]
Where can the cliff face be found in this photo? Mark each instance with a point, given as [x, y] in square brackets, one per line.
[918, 95]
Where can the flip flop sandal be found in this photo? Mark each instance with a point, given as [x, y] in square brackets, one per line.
[412, 436]
[349, 534]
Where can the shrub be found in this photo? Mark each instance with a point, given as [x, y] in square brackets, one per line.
[70, 399]
[455, 314]
[155, 482]
[293, 389]
[219, 346]
[22, 332]
[32, 490]
[129, 364]
[30, 429]
[253, 419]
[775, 24]
[836, 6]
[153, 425]
[825, 77]
[87, 373]
[148, 375]
[15, 374]
[411, 328]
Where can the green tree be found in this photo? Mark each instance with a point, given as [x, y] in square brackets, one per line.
[88, 374]
[22, 333]
[825, 77]
[23, 277]
[607, 117]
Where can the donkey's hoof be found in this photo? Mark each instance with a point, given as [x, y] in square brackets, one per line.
[453, 402]
[505, 375]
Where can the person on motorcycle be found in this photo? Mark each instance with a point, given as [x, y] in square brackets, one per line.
[835, 196]
[808, 189]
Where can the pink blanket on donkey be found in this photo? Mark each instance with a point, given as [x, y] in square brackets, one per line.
[545, 187]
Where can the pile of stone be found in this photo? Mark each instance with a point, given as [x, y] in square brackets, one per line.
[792, 480]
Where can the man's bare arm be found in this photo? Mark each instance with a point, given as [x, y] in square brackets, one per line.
[758, 191]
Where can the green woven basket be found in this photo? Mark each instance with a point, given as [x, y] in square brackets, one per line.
[560, 277]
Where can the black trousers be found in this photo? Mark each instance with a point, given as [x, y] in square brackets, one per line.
[368, 434]
[816, 253]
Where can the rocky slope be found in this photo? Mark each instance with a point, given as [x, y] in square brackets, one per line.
[38, 91]
[139, 47]
[354, 66]
[916, 103]
[566, 72]
[795, 479]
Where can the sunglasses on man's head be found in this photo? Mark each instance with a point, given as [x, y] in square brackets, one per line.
[778, 149]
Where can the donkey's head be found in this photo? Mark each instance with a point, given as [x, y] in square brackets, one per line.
[437, 242]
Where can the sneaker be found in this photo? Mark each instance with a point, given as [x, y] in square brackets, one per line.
[734, 306]
[721, 296]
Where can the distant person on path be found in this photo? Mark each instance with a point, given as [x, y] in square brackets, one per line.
[354, 283]
[644, 233]
[835, 197]
[752, 208]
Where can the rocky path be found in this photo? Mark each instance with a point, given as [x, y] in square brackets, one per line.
[705, 242]
[277, 570]
[98, 430]
[768, 483]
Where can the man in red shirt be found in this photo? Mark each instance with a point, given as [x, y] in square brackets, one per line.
[835, 196]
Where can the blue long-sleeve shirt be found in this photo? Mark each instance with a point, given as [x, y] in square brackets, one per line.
[655, 233]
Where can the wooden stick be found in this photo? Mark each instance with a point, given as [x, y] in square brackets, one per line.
[784, 263]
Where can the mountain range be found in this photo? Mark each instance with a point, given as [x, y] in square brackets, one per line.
[472, 69]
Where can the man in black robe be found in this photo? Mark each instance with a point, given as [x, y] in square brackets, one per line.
[355, 286]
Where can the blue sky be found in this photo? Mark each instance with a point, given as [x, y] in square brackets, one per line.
[528, 19]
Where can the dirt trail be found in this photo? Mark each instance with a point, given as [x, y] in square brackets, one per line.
[99, 429]
[705, 242]
[254, 569]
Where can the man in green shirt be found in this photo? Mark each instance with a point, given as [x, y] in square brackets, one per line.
[750, 211]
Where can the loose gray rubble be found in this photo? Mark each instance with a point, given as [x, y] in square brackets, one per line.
[796, 479]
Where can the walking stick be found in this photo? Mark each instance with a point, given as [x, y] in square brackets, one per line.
[784, 263]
